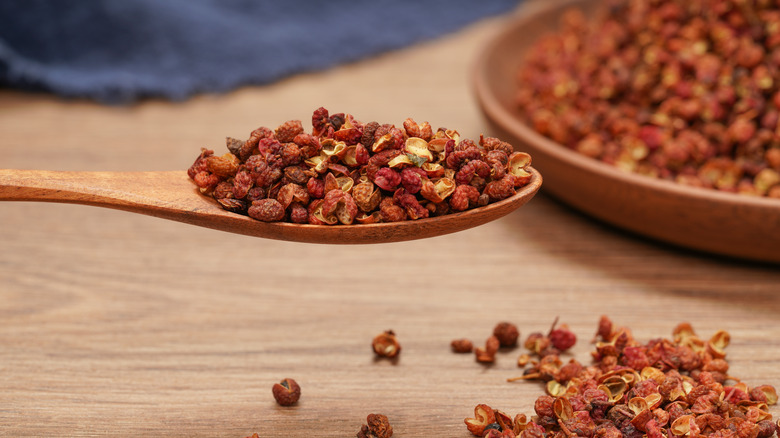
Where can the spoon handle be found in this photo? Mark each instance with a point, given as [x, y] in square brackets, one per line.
[140, 192]
[164, 194]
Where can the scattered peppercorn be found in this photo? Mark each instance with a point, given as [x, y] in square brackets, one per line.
[347, 172]
[682, 90]
[386, 344]
[665, 388]
[287, 392]
[462, 346]
[377, 426]
[487, 354]
[507, 334]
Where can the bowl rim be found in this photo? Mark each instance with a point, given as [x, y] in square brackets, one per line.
[496, 111]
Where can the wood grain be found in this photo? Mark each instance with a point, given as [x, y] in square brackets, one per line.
[115, 324]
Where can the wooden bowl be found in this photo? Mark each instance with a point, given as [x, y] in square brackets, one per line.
[700, 219]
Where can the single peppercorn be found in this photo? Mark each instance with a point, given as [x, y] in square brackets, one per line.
[766, 429]
[287, 392]
[562, 338]
[462, 346]
[378, 426]
[487, 354]
[537, 342]
[483, 416]
[507, 334]
[386, 344]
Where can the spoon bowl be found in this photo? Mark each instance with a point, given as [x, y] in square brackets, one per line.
[172, 195]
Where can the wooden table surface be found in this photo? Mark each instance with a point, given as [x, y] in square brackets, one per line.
[115, 324]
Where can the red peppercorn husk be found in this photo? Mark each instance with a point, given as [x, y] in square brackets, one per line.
[386, 344]
[683, 90]
[287, 392]
[362, 172]
[462, 345]
[664, 388]
[378, 426]
[507, 334]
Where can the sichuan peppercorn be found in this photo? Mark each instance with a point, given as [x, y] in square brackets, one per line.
[383, 173]
[377, 426]
[681, 90]
[386, 344]
[462, 346]
[287, 392]
[507, 334]
[672, 388]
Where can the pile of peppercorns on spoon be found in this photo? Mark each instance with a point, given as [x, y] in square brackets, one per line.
[346, 172]
[346, 182]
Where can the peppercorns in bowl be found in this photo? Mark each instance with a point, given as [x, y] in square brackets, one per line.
[659, 117]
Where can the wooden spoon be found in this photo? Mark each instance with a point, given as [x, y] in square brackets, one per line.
[172, 195]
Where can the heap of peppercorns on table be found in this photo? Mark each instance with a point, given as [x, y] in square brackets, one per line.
[665, 388]
[349, 172]
[682, 90]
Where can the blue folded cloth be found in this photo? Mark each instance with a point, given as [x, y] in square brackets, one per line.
[117, 51]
